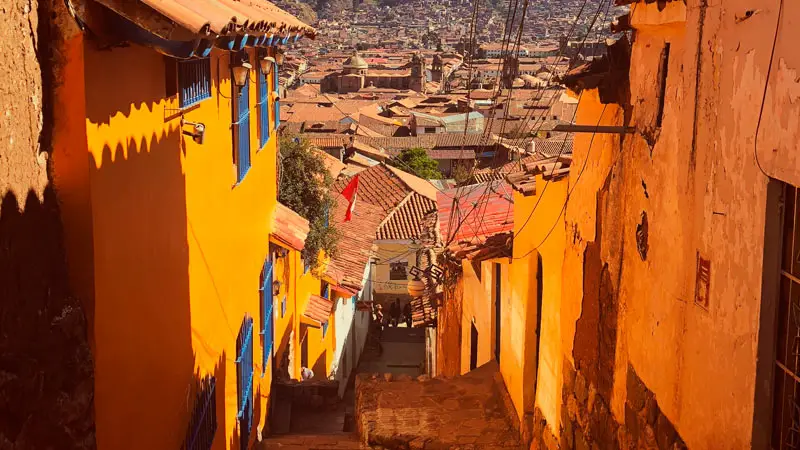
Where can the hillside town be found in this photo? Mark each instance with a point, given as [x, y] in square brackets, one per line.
[388, 224]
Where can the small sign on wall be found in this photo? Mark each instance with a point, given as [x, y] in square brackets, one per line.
[703, 283]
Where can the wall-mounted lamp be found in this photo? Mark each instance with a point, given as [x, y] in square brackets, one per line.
[267, 63]
[198, 133]
[240, 73]
[280, 55]
[276, 287]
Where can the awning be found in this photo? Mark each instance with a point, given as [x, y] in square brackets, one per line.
[347, 290]
[318, 309]
[289, 227]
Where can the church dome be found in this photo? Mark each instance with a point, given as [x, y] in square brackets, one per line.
[355, 62]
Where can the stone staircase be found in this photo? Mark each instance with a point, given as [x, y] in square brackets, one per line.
[339, 441]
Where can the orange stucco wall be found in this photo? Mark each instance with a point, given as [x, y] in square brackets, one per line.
[531, 363]
[703, 184]
[176, 247]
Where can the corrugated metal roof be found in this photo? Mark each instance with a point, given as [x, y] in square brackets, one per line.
[483, 210]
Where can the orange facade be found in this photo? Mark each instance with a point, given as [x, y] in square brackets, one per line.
[165, 244]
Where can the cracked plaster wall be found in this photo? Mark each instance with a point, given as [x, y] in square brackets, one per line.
[704, 194]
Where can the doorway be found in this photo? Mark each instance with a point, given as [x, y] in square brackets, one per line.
[473, 348]
[498, 317]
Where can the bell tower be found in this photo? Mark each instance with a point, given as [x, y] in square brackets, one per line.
[417, 82]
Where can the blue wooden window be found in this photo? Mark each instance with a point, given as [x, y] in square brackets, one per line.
[244, 379]
[263, 103]
[194, 81]
[203, 424]
[276, 87]
[324, 329]
[283, 307]
[325, 290]
[241, 121]
[266, 308]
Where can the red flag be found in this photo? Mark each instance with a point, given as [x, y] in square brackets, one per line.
[350, 192]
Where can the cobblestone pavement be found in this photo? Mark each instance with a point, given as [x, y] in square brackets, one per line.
[466, 412]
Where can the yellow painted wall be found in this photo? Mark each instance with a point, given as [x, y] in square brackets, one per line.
[285, 271]
[176, 248]
[531, 364]
[478, 308]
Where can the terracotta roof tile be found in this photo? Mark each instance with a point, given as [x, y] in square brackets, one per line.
[554, 168]
[254, 17]
[378, 186]
[407, 221]
[318, 308]
[346, 268]
[289, 227]
[419, 185]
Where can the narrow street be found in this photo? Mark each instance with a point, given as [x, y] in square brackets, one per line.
[403, 353]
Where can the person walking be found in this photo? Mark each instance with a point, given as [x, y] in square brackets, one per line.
[394, 312]
[407, 314]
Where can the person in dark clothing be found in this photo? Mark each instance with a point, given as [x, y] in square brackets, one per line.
[407, 314]
[394, 312]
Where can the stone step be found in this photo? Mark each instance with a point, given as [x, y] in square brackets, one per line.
[337, 441]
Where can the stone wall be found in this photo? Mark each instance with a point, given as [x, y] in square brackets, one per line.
[587, 422]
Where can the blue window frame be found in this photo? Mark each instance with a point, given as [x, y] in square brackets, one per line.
[325, 290]
[244, 379]
[324, 329]
[194, 81]
[241, 121]
[266, 307]
[276, 87]
[203, 424]
[263, 103]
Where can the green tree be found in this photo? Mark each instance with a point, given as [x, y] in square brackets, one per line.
[306, 187]
[417, 161]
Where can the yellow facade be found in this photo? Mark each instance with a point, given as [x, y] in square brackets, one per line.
[532, 355]
[165, 246]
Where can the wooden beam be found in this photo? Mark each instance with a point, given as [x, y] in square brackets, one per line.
[145, 17]
[600, 129]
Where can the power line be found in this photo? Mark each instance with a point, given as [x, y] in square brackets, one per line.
[569, 194]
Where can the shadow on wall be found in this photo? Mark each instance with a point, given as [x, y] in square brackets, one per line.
[46, 396]
[144, 356]
[319, 366]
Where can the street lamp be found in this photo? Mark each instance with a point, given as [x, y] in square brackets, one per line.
[240, 73]
[416, 287]
[279, 56]
[267, 63]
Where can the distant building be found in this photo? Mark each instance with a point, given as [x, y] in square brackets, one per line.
[496, 50]
[355, 76]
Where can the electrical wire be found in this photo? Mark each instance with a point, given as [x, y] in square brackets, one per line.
[594, 20]
[574, 185]
[766, 87]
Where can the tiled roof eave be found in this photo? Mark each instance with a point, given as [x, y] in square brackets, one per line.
[211, 18]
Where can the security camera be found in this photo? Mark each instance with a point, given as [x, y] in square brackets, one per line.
[199, 132]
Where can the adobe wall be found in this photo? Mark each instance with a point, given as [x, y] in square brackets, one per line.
[664, 354]
[46, 373]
